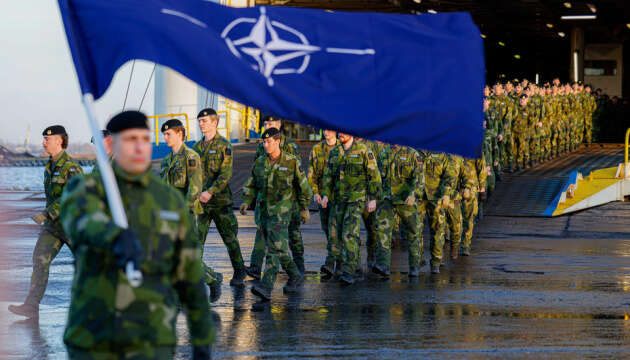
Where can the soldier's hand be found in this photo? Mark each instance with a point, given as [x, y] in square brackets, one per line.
[500, 138]
[243, 209]
[496, 163]
[127, 248]
[205, 197]
[317, 199]
[39, 218]
[466, 193]
[410, 200]
[305, 216]
[202, 352]
[371, 206]
[325, 202]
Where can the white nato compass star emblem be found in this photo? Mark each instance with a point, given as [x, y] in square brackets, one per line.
[267, 44]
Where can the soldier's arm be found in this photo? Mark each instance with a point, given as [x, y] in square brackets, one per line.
[225, 172]
[52, 210]
[374, 183]
[419, 176]
[195, 182]
[250, 192]
[296, 150]
[448, 179]
[83, 215]
[313, 177]
[188, 279]
[163, 168]
[482, 174]
[327, 179]
[305, 193]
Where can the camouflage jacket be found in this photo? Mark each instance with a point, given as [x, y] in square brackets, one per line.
[57, 174]
[216, 158]
[352, 175]
[437, 181]
[455, 169]
[183, 171]
[401, 171]
[106, 313]
[318, 160]
[276, 188]
[521, 123]
[286, 145]
[97, 170]
[469, 178]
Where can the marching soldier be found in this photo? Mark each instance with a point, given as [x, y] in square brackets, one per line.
[59, 170]
[453, 209]
[108, 318]
[277, 184]
[473, 190]
[215, 152]
[352, 179]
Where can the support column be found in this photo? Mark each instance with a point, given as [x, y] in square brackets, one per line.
[577, 55]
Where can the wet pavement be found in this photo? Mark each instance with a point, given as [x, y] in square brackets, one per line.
[556, 288]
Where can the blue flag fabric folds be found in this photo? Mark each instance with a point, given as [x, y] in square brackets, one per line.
[413, 80]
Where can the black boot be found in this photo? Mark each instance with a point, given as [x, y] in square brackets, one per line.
[465, 251]
[381, 270]
[294, 284]
[262, 292]
[346, 278]
[253, 271]
[414, 272]
[327, 270]
[239, 276]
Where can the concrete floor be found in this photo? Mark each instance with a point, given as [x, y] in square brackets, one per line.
[534, 288]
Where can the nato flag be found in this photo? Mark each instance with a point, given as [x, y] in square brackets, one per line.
[413, 80]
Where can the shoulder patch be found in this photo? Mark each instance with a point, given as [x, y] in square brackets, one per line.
[169, 215]
[192, 163]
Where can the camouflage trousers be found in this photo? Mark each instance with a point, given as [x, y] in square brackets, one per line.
[147, 352]
[588, 129]
[48, 245]
[490, 180]
[534, 149]
[409, 220]
[546, 147]
[345, 226]
[275, 232]
[453, 214]
[508, 150]
[436, 223]
[521, 148]
[227, 226]
[295, 244]
[372, 229]
[470, 208]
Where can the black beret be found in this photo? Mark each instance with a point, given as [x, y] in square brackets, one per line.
[127, 120]
[271, 132]
[55, 130]
[171, 124]
[105, 134]
[206, 112]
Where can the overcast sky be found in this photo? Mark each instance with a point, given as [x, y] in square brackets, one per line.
[38, 84]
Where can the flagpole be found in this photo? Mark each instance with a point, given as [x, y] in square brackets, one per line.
[109, 181]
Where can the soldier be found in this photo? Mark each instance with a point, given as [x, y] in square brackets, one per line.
[277, 184]
[182, 170]
[352, 179]
[401, 176]
[473, 190]
[438, 185]
[318, 161]
[453, 209]
[591, 106]
[295, 237]
[59, 170]
[108, 318]
[522, 134]
[369, 218]
[215, 152]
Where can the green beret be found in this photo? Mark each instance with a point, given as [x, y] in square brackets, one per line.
[54, 130]
[171, 124]
[270, 133]
[206, 112]
[127, 120]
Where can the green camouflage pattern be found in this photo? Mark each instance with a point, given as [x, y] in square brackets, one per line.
[344, 244]
[453, 211]
[217, 162]
[57, 174]
[183, 171]
[127, 317]
[318, 160]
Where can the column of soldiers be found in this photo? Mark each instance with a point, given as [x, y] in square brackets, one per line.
[527, 124]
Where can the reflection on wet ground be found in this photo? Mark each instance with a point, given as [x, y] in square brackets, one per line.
[535, 288]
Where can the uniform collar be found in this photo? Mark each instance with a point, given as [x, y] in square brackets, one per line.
[143, 178]
[58, 160]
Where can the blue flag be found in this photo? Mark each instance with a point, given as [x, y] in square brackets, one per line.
[413, 80]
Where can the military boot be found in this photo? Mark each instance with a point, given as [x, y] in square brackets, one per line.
[253, 271]
[435, 267]
[27, 310]
[346, 278]
[381, 270]
[338, 271]
[454, 252]
[262, 292]
[465, 251]
[328, 269]
[414, 272]
[239, 276]
[215, 288]
[293, 284]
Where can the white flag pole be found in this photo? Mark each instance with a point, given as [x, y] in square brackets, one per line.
[109, 181]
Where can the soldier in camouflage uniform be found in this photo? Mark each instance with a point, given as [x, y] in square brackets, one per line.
[453, 210]
[108, 318]
[522, 134]
[59, 170]
[590, 106]
[182, 169]
[473, 190]
[490, 148]
[277, 184]
[318, 161]
[401, 175]
[215, 152]
[295, 236]
[369, 218]
[438, 185]
[352, 179]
